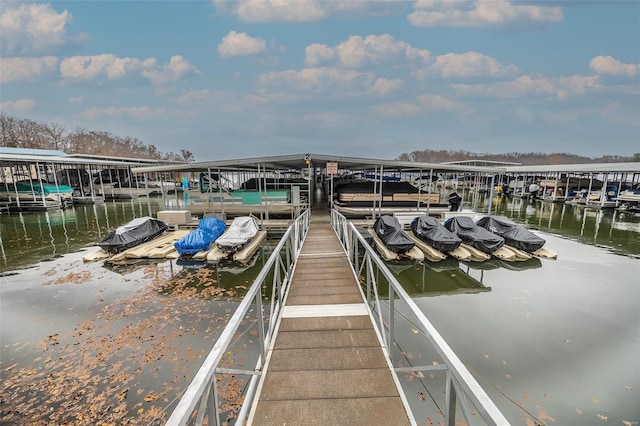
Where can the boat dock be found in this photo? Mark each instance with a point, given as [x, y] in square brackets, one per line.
[326, 365]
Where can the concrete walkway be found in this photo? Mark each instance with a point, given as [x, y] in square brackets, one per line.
[327, 366]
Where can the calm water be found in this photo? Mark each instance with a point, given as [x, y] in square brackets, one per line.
[556, 342]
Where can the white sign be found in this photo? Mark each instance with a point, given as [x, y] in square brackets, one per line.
[332, 168]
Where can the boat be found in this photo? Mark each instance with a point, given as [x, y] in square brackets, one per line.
[391, 240]
[394, 194]
[435, 240]
[517, 238]
[239, 242]
[478, 240]
[240, 232]
[136, 232]
[35, 190]
[435, 234]
[515, 235]
[200, 239]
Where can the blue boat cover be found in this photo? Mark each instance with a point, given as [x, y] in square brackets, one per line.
[209, 229]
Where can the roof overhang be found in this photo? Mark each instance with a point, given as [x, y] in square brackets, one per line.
[301, 161]
[632, 167]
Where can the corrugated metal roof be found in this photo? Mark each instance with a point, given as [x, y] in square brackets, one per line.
[33, 152]
[298, 161]
[633, 167]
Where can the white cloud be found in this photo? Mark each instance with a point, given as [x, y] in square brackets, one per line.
[21, 105]
[466, 65]
[383, 86]
[173, 71]
[240, 44]
[396, 109]
[111, 67]
[317, 53]
[316, 79]
[76, 100]
[608, 65]
[526, 86]
[373, 49]
[32, 28]
[303, 10]
[16, 69]
[481, 13]
[138, 113]
[101, 66]
[439, 103]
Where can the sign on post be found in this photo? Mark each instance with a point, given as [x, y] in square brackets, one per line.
[332, 168]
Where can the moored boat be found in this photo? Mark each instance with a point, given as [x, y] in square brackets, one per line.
[517, 238]
[136, 232]
[200, 239]
[391, 240]
[478, 240]
[240, 232]
[435, 240]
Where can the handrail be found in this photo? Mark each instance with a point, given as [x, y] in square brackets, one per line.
[459, 380]
[200, 397]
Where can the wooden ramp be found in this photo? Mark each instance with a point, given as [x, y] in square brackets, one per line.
[326, 366]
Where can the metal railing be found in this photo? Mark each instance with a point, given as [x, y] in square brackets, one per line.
[201, 399]
[461, 388]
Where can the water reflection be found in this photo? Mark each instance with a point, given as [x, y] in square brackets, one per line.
[618, 231]
[435, 278]
[31, 237]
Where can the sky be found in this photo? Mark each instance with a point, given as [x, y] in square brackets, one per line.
[234, 79]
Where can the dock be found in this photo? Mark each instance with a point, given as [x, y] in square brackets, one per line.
[326, 364]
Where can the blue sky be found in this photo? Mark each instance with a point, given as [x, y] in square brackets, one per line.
[228, 79]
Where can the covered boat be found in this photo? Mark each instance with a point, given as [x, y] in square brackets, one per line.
[136, 232]
[434, 233]
[515, 235]
[389, 230]
[209, 229]
[240, 232]
[473, 235]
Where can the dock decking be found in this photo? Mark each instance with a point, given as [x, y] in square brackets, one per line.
[326, 365]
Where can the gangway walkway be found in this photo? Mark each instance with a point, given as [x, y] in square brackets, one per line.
[326, 365]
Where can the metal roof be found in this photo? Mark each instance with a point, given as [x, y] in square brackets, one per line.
[632, 167]
[31, 152]
[290, 162]
[68, 159]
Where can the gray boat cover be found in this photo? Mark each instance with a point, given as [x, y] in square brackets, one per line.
[435, 234]
[514, 234]
[389, 230]
[240, 232]
[472, 234]
[136, 232]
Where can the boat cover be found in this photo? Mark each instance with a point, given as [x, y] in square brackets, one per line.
[514, 234]
[472, 234]
[240, 232]
[435, 234]
[389, 230]
[209, 229]
[136, 232]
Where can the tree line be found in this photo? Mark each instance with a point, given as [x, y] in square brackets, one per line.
[25, 133]
[524, 158]
[18, 132]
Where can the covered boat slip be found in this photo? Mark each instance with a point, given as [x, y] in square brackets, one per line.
[35, 179]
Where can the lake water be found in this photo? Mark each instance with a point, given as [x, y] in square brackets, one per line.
[551, 341]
